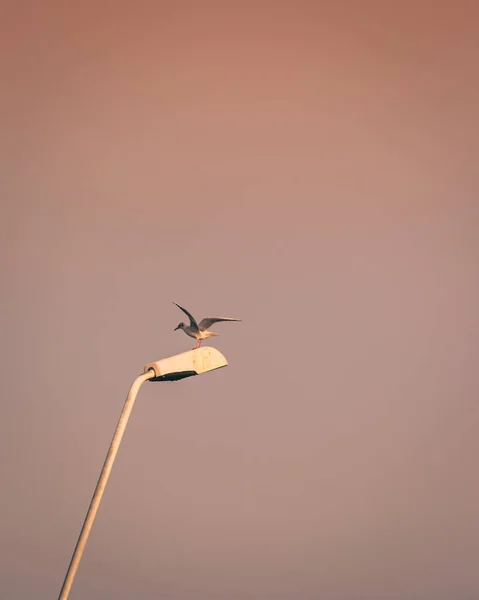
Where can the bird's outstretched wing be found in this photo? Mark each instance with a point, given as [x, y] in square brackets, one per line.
[193, 323]
[207, 322]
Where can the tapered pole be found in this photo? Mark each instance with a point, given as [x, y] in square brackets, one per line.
[102, 481]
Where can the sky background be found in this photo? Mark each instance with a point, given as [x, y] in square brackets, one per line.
[309, 167]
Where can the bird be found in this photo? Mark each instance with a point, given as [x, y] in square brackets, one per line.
[200, 331]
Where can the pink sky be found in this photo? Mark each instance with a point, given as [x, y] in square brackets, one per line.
[308, 167]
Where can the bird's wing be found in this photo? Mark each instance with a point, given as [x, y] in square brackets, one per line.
[207, 322]
[193, 323]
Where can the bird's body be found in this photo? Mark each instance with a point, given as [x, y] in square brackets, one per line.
[198, 335]
[200, 331]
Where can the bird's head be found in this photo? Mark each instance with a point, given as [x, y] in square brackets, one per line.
[179, 326]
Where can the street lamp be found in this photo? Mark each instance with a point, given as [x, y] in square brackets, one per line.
[187, 364]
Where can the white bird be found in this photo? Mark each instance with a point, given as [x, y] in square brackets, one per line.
[200, 331]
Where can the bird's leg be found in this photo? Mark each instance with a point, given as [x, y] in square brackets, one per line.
[197, 345]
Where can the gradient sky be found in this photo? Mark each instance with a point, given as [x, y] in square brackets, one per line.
[309, 167]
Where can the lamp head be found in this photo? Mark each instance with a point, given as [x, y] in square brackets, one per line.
[193, 362]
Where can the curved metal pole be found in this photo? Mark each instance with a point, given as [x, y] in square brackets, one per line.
[102, 481]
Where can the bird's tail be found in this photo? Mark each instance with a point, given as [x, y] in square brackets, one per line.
[209, 334]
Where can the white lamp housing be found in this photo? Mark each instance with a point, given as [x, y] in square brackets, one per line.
[187, 364]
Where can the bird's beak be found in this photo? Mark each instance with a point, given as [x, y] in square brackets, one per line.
[176, 328]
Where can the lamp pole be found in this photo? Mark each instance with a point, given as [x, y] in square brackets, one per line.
[173, 368]
[102, 481]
